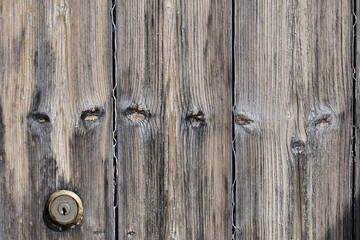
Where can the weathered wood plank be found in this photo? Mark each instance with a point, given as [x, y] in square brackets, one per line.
[293, 83]
[174, 122]
[55, 64]
[356, 66]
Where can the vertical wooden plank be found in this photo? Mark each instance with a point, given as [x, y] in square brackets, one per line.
[56, 115]
[174, 122]
[141, 191]
[356, 66]
[293, 83]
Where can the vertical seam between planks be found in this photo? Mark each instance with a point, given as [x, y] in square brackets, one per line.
[115, 142]
[233, 162]
[354, 122]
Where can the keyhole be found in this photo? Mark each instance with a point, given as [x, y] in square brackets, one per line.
[63, 212]
[64, 209]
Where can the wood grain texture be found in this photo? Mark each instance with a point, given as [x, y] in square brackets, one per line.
[55, 115]
[174, 122]
[356, 66]
[293, 84]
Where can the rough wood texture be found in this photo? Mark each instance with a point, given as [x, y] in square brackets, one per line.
[174, 122]
[356, 66]
[293, 114]
[55, 115]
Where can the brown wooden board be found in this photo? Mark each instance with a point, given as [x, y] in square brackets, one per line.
[293, 115]
[174, 119]
[55, 115]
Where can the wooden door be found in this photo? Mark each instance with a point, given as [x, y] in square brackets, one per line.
[179, 119]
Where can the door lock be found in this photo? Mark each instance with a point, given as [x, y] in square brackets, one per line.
[65, 208]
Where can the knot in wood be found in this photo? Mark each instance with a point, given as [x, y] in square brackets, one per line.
[323, 121]
[197, 119]
[297, 146]
[137, 114]
[92, 114]
[241, 119]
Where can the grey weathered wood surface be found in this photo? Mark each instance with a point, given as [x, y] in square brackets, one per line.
[55, 115]
[293, 84]
[293, 118]
[356, 66]
[174, 119]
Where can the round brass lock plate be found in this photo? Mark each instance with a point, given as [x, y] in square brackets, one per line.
[65, 208]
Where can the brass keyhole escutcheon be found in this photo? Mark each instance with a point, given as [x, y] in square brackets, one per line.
[65, 208]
